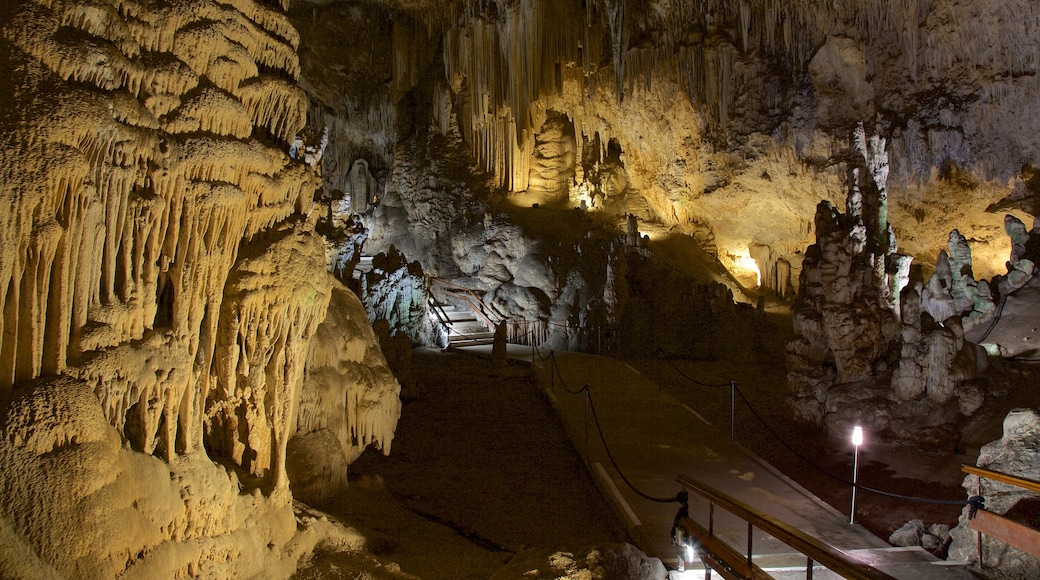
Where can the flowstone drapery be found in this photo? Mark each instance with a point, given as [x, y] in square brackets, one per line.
[160, 284]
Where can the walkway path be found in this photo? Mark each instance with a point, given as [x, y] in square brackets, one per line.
[654, 438]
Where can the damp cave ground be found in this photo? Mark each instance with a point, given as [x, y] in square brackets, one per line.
[482, 479]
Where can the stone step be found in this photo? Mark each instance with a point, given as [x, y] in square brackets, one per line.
[466, 341]
[471, 336]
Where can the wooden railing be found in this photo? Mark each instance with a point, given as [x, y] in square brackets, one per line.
[732, 564]
[996, 526]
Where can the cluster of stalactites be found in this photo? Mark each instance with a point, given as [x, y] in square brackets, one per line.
[504, 55]
[273, 305]
[349, 390]
[138, 183]
[500, 68]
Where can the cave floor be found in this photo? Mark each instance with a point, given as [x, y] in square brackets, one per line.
[484, 479]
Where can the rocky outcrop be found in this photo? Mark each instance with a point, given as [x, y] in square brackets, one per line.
[870, 350]
[846, 316]
[349, 400]
[1015, 453]
[160, 284]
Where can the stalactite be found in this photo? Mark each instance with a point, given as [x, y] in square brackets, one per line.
[211, 54]
[144, 199]
[615, 10]
[262, 349]
[212, 111]
[276, 104]
[349, 390]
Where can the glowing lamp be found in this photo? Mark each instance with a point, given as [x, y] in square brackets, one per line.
[857, 440]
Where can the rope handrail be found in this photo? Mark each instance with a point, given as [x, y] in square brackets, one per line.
[813, 465]
[555, 369]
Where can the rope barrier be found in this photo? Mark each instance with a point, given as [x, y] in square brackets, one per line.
[1000, 310]
[695, 381]
[841, 479]
[599, 429]
[555, 371]
[613, 462]
[812, 464]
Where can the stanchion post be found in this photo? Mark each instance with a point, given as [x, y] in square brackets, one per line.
[586, 416]
[732, 411]
[978, 492]
[552, 371]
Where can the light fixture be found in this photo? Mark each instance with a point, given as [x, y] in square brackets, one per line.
[857, 440]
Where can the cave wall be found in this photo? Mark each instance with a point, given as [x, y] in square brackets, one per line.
[160, 287]
[732, 119]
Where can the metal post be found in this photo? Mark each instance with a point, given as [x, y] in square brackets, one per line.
[711, 519]
[732, 411]
[749, 530]
[978, 492]
[855, 472]
[808, 569]
[586, 415]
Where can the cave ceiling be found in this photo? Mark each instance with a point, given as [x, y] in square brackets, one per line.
[729, 120]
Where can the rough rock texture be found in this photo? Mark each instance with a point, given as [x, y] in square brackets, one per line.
[397, 291]
[1017, 452]
[870, 350]
[620, 561]
[349, 400]
[726, 122]
[846, 314]
[160, 283]
[734, 115]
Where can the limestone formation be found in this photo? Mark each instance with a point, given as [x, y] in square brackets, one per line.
[396, 291]
[161, 287]
[845, 315]
[869, 351]
[168, 329]
[1015, 453]
[348, 401]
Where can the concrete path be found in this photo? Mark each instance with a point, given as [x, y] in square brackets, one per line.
[653, 439]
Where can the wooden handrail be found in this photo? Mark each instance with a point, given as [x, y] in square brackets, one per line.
[1024, 483]
[829, 556]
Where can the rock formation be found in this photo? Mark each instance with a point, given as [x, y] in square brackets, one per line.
[1015, 453]
[165, 314]
[162, 287]
[869, 349]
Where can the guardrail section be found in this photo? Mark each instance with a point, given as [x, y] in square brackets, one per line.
[734, 565]
[997, 526]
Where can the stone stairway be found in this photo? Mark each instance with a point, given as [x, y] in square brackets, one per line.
[463, 326]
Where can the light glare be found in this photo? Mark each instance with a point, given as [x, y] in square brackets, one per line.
[857, 435]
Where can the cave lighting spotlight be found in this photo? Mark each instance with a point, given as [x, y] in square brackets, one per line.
[857, 440]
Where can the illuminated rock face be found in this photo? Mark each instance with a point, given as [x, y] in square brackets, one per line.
[161, 289]
[731, 119]
[160, 284]
[1015, 453]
